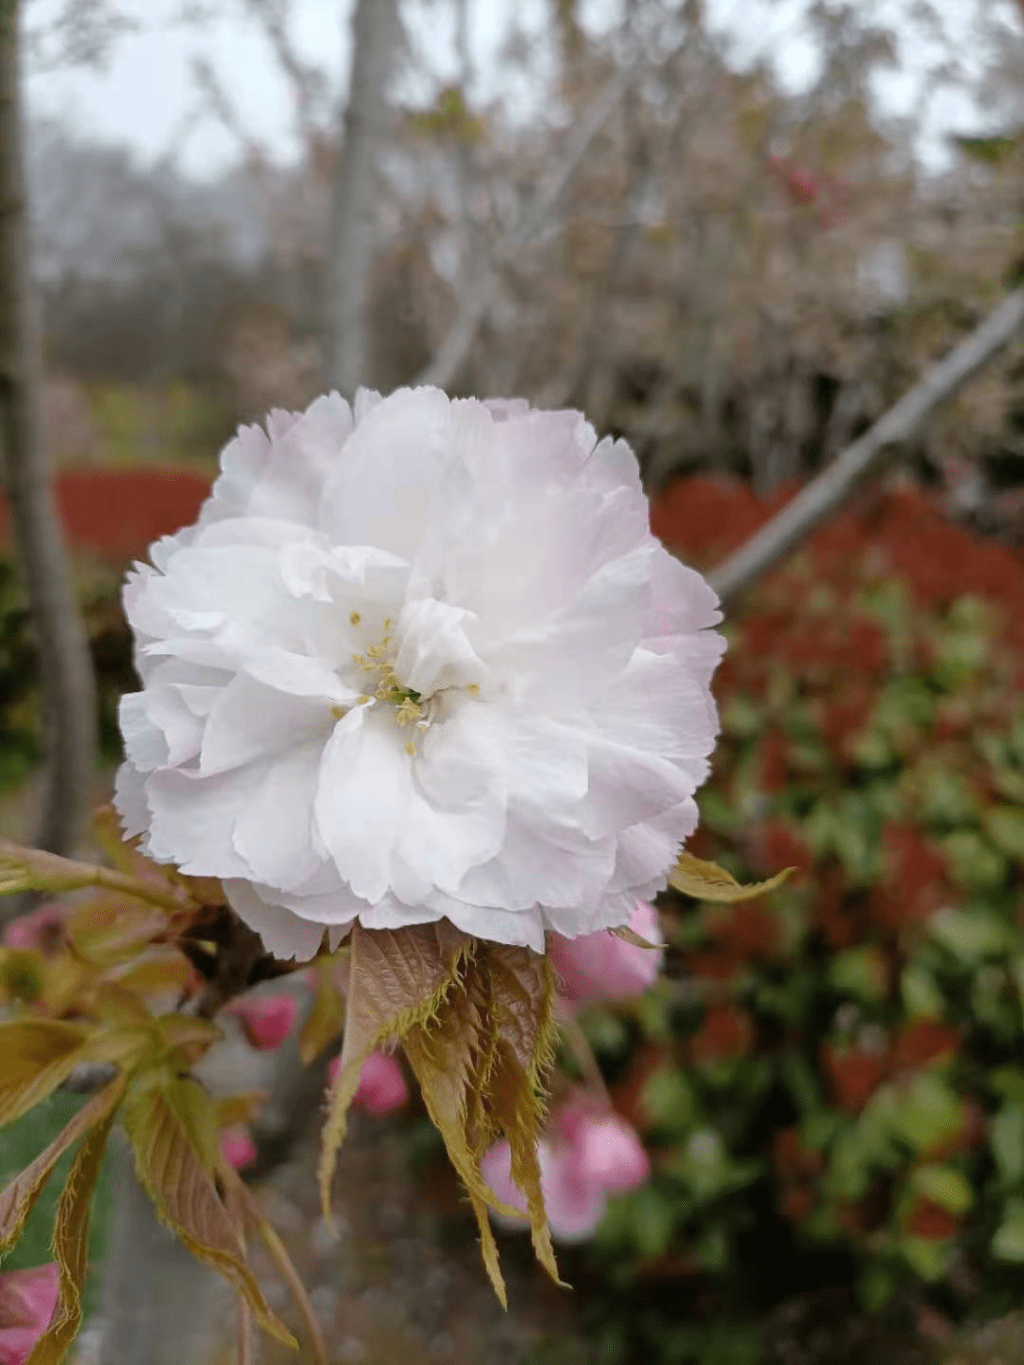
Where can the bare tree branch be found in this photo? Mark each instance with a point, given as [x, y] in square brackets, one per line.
[454, 350]
[375, 38]
[68, 687]
[825, 494]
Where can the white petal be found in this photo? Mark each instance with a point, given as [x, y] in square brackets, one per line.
[433, 651]
[250, 720]
[193, 820]
[284, 934]
[130, 800]
[274, 832]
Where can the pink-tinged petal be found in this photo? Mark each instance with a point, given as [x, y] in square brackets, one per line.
[28, 1299]
[603, 966]
[237, 1147]
[605, 1151]
[382, 1085]
[266, 1021]
[575, 1204]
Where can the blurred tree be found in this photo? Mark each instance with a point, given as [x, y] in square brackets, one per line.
[66, 677]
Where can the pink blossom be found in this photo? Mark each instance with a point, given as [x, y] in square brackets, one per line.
[604, 967]
[382, 1086]
[589, 1155]
[237, 1147]
[266, 1021]
[27, 1301]
[575, 1207]
[607, 1152]
[40, 928]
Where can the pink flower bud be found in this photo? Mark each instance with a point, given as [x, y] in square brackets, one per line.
[607, 1152]
[266, 1021]
[603, 967]
[574, 1206]
[382, 1086]
[237, 1147]
[41, 929]
[27, 1301]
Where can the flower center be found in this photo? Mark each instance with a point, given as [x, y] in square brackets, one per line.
[383, 685]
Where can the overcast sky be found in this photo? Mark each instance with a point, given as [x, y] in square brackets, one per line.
[145, 91]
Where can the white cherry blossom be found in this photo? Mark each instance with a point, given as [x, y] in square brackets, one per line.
[425, 660]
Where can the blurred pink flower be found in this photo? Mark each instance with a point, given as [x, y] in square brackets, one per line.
[27, 1301]
[237, 1147]
[382, 1085]
[40, 928]
[267, 1021]
[590, 1155]
[604, 967]
[607, 1151]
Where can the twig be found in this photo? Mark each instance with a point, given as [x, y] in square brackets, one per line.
[830, 489]
[453, 351]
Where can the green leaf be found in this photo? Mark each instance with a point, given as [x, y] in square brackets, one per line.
[1004, 825]
[922, 1113]
[1006, 1138]
[927, 1258]
[1008, 1242]
[974, 863]
[971, 935]
[861, 973]
[921, 995]
[20, 1196]
[945, 1187]
[38, 1056]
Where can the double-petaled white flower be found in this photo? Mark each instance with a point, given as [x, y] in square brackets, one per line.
[427, 661]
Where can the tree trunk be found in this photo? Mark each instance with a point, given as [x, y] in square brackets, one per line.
[375, 35]
[66, 676]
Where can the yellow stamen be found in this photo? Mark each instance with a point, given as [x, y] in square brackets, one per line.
[339, 712]
[410, 749]
[362, 698]
[407, 712]
[387, 623]
[473, 689]
[354, 618]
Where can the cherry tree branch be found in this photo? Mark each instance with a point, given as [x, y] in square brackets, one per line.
[65, 667]
[826, 493]
[454, 350]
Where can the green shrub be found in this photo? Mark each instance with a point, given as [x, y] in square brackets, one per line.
[831, 1081]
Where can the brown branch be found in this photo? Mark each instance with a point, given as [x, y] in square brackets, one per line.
[66, 676]
[826, 493]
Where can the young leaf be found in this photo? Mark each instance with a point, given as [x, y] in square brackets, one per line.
[326, 1015]
[176, 1176]
[709, 882]
[397, 978]
[38, 1055]
[629, 935]
[187, 1038]
[20, 1196]
[232, 1110]
[30, 869]
[109, 930]
[70, 1246]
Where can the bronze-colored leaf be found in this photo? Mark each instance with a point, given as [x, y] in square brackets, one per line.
[186, 1037]
[709, 882]
[38, 1055]
[70, 1246]
[177, 1178]
[523, 1005]
[109, 930]
[397, 979]
[162, 972]
[19, 1197]
[326, 1015]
